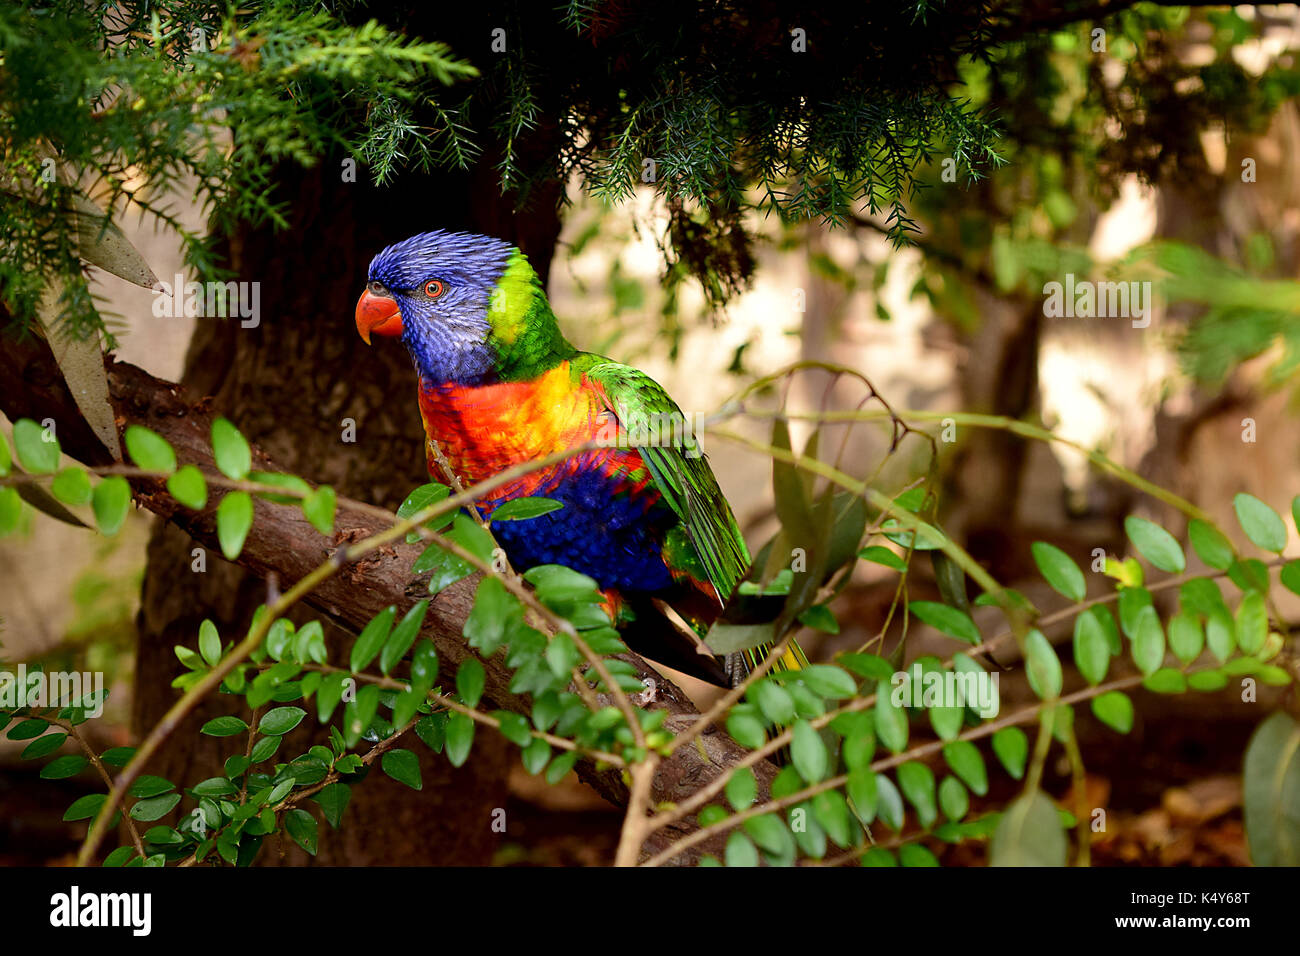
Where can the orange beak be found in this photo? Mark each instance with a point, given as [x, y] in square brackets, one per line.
[377, 315]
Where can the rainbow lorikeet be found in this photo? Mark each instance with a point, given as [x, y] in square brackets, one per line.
[500, 385]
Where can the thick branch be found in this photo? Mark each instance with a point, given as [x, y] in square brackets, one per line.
[283, 543]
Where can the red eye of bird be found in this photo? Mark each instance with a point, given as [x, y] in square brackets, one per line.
[433, 288]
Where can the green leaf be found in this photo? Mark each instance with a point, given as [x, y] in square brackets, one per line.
[947, 721]
[1059, 570]
[1271, 792]
[472, 536]
[560, 767]
[832, 812]
[329, 694]
[1148, 649]
[234, 519]
[495, 610]
[514, 727]
[1012, 747]
[1029, 834]
[404, 767]
[1186, 639]
[740, 850]
[72, 486]
[1210, 544]
[447, 568]
[562, 654]
[741, 789]
[403, 636]
[1290, 576]
[110, 501]
[1115, 710]
[916, 854]
[773, 837]
[878, 856]
[1263, 525]
[889, 803]
[820, 618]
[85, 807]
[746, 728]
[878, 554]
[424, 668]
[774, 701]
[863, 791]
[1252, 622]
[280, 721]
[949, 620]
[808, 753]
[1091, 649]
[333, 800]
[216, 787]
[41, 746]
[967, 763]
[916, 780]
[318, 508]
[867, 665]
[557, 584]
[536, 755]
[223, 727]
[372, 638]
[60, 768]
[891, 720]
[1201, 596]
[1250, 574]
[420, 499]
[1167, 680]
[309, 644]
[234, 459]
[37, 455]
[11, 509]
[953, 799]
[1042, 666]
[5, 459]
[295, 489]
[470, 681]
[154, 808]
[301, 827]
[1155, 544]
[209, 642]
[117, 756]
[521, 509]
[1220, 634]
[460, 737]
[188, 487]
[359, 714]
[149, 450]
[151, 786]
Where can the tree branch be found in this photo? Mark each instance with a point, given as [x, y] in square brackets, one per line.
[283, 543]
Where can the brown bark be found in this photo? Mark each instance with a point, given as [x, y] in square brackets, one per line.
[284, 544]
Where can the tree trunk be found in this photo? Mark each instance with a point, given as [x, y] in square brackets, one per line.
[292, 384]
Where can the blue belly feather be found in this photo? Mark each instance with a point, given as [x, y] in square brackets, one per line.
[606, 534]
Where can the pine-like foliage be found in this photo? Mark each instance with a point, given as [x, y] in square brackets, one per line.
[724, 107]
[137, 105]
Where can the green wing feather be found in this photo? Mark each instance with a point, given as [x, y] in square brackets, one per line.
[684, 478]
